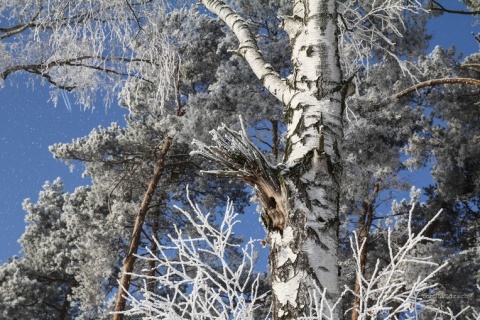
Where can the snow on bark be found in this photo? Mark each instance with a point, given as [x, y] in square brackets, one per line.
[314, 132]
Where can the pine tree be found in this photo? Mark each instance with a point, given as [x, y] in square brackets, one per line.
[335, 69]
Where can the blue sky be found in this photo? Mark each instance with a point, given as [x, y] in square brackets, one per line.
[29, 123]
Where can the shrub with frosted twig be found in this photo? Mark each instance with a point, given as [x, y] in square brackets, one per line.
[196, 272]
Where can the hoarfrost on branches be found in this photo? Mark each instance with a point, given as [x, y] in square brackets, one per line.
[188, 278]
[198, 276]
[370, 27]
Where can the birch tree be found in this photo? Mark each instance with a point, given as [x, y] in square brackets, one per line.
[337, 153]
[301, 196]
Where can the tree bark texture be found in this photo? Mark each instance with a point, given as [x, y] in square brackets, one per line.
[137, 230]
[302, 198]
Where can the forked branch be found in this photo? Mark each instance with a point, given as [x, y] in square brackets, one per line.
[436, 6]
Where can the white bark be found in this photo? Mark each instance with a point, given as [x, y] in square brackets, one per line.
[303, 253]
[250, 51]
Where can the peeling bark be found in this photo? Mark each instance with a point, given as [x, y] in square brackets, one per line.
[137, 231]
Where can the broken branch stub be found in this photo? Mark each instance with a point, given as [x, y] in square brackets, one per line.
[237, 156]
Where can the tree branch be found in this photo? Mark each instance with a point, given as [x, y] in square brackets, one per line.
[238, 157]
[41, 67]
[443, 9]
[250, 51]
[471, 66]
[436, 82]
[19, 28]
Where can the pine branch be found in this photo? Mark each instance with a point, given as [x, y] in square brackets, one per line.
[436, 82]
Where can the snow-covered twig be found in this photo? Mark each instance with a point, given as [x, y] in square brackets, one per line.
[199, 281]
[388, 291]
[199, 278]
[363, 30]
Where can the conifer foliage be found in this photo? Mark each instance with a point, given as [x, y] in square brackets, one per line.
[313, 109]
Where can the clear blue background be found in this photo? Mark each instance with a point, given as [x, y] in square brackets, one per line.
[29, 123]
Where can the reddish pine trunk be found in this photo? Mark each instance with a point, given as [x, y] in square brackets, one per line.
[137, 230]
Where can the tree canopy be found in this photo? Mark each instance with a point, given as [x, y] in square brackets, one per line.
[309, 111]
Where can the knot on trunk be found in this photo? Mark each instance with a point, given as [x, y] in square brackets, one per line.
[236, 156]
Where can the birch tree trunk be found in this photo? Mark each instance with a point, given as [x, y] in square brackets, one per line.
[301, 197]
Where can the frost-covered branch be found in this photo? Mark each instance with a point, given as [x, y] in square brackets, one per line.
[387, 292]
[387, 286]
[87, 47]
[201, 281]
[363, 29]
[236, 155]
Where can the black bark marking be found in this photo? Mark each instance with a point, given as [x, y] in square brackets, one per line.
[309, 51]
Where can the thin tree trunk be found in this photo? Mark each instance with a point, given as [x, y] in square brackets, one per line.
[66, 303]
[275, 139]
[363, 226]
[151, 263]
[151, 281]
[137, 230]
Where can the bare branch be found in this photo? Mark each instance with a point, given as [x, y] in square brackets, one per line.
[441, 8]
[436, 82]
